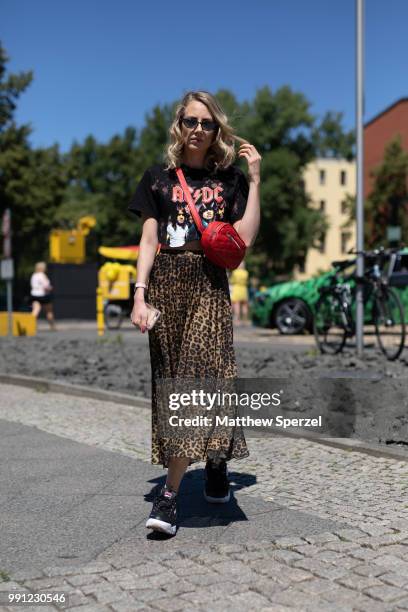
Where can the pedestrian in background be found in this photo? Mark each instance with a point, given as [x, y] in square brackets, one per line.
[239, 293]
[41, 293]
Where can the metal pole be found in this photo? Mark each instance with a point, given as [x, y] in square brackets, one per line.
[9, 307]
[360, 177]
[7, 269]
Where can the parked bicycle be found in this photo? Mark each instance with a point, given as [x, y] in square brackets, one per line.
[334, 319]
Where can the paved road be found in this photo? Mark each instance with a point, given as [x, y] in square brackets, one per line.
[309, 528]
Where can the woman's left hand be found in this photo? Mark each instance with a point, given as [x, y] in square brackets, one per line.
[254, 161]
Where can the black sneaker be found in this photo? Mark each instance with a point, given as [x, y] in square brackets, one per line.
[216, 488]
[163, 516]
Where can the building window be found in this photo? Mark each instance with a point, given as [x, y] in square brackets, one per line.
[344, 240]
[322, 177]
[343, 207]
[322, 243]
[343, 177]
[322, 205]
[302, 267]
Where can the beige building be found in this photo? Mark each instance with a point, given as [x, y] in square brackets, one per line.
[328, 182]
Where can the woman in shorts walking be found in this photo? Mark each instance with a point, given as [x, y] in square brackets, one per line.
[194, 336]
[41, 295]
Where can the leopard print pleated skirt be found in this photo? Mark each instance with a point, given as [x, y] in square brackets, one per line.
[193, 338]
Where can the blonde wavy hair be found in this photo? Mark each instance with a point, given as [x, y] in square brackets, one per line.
[221, 152]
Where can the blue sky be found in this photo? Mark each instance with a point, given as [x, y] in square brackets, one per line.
[101, 65]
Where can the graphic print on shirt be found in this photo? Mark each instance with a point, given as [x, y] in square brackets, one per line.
[210, 205]
[177, 228]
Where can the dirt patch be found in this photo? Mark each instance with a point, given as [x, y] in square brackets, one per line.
[367, 396]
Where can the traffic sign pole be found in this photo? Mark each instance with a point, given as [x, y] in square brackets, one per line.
[7, 269]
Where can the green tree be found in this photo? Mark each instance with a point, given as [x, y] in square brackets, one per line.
[387, 203]
[31, 181]
[11, 86]
[330, 139]
[101, 181]
[154, 134]
[279, 125]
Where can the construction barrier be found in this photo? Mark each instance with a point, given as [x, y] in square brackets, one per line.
[24, 324]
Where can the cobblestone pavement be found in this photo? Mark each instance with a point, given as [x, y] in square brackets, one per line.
[361, 566]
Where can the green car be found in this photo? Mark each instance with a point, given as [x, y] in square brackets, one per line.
[290, 306]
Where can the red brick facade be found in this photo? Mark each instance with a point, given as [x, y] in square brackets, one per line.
[378, 132]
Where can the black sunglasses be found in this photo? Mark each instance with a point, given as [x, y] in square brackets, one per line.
[206, 124]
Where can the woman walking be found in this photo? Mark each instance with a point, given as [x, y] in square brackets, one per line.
[194, 335]
[41, 293]
[239, 293]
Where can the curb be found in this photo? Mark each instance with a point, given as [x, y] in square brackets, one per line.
[44, 385]
[349, 444]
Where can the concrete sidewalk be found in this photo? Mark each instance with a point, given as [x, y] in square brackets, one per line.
[309, 527]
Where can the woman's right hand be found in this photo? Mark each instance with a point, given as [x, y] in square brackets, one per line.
[138, 316]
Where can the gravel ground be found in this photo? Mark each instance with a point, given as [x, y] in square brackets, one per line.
[373, 397]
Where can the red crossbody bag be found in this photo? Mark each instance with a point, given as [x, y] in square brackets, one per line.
[220, 241]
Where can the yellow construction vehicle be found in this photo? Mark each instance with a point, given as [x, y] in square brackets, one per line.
[68, 246]
[116, 282]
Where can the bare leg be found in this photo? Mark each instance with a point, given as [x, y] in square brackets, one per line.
[50, 315]
[176, 470]
[35, 308]
[244, 306]
[236, 311]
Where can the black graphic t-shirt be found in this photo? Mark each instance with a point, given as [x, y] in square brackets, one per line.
[218, 196]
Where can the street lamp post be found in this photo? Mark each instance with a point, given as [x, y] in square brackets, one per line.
[360, 178]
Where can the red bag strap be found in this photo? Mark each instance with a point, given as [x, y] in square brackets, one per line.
[187, 196]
